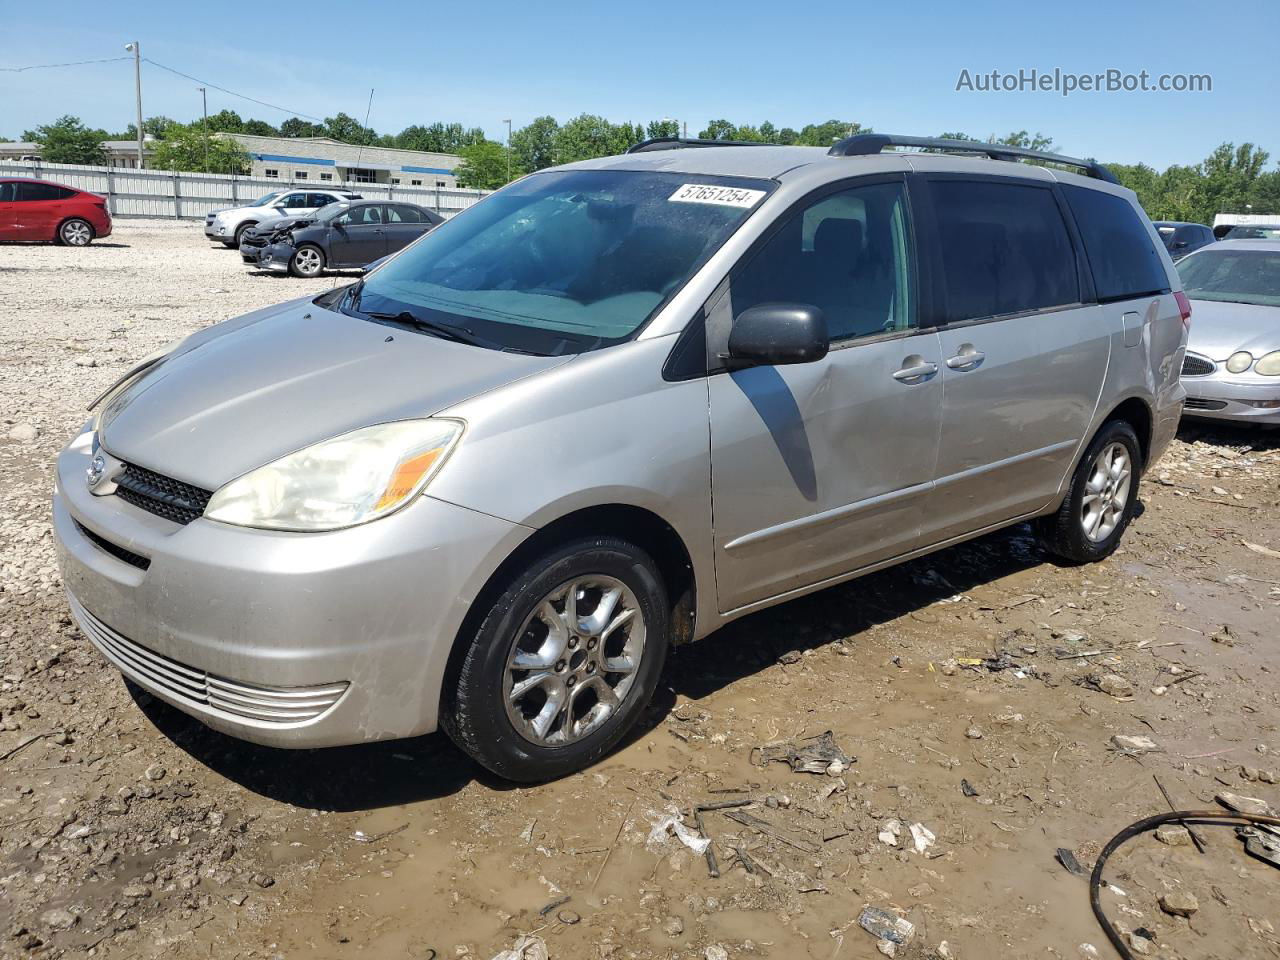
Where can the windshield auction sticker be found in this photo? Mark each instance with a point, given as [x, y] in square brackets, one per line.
[722, 196]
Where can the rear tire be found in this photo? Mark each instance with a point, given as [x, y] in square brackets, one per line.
[307, 261]
[587, 670]
[75, 232]
[1101, 501]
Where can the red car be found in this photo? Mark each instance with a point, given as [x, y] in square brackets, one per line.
[43, 211]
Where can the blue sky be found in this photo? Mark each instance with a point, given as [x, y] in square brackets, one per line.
[889, 65]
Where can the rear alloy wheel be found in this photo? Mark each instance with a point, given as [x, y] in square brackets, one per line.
[1102, 499]
[562, 663]
[75, 232]
[307, 262]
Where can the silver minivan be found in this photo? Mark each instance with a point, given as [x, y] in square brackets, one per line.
[610, 408]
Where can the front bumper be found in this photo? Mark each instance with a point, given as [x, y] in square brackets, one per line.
[216, 231]
[1227, 396]
[289, 640]
[274, 256]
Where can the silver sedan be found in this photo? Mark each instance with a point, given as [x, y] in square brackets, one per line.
[1232, 365]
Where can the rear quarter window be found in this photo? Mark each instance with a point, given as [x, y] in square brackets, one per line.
[1122, 256]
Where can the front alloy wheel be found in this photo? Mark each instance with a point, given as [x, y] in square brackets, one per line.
[574, 661]
[559, 660]
[307, 262]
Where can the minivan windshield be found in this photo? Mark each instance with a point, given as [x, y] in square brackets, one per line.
[1234, 276]
[566, 261]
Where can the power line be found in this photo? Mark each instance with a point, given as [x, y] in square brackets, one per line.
[261, 103]
[74, 63]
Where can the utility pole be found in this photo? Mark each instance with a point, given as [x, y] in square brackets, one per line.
[508, 123]
[204, 127]
[136, 49]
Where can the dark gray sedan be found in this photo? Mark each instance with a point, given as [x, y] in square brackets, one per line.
[341, 236]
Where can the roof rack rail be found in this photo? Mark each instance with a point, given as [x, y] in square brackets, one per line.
[864, 144]
[679, 143]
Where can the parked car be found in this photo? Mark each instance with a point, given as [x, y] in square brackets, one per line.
[45, 211]
[474, 489]
[1232, 366]
[227, 226]
[1182, 238]
[1253, 231]
[340, 237]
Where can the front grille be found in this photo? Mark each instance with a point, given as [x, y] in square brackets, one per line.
[1197, 366]
[161, 495]
[1197, 403]
[231, 699]
[117, 551]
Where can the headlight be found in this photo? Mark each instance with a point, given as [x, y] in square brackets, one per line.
[1269, 366]
[1239, 361]
[337, 483]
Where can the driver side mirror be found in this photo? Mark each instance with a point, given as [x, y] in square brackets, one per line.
[778, 333]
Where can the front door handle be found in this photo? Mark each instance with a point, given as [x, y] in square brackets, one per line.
[914, 370]
[967, 358]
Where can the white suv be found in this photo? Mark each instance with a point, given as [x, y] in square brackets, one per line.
[227, 226]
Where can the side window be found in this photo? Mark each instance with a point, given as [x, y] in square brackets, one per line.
[294, 200]
[8, 192]
[42, 191]
[1004, 249]
[849, 254]
[1124, 261]
[366, 214]
[319, 199]
[402, 213]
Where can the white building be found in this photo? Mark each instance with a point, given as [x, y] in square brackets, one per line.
[324, 160]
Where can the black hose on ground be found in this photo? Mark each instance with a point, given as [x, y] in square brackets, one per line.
[1185, 817]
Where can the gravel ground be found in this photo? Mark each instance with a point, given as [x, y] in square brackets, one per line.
[975, 695]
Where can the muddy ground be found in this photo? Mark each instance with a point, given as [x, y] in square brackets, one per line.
[965, 686]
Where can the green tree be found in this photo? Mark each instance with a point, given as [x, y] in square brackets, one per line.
[662, 128]
[534, 145]
[186, 147]
[260, 128]
[1020, 138]
[585, 137]
[226, 121]
[346, 129]
[67, 140]
[788, 136]
[294, 127]
[484, 166]
[718, 130]
[825, 134]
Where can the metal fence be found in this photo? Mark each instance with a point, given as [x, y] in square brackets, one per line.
[189, 196]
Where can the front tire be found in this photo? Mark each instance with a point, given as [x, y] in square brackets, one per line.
[239, 235]
[562, 662]
[75, 232]
[1103, 497]
[307, 261]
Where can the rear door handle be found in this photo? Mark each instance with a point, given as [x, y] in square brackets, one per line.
[915, 371]
[967, 359]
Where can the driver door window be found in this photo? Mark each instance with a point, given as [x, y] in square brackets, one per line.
[849, 255]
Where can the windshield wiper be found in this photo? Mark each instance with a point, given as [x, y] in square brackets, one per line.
[445, 331]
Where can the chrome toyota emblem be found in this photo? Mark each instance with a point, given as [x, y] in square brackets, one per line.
[94, 472]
